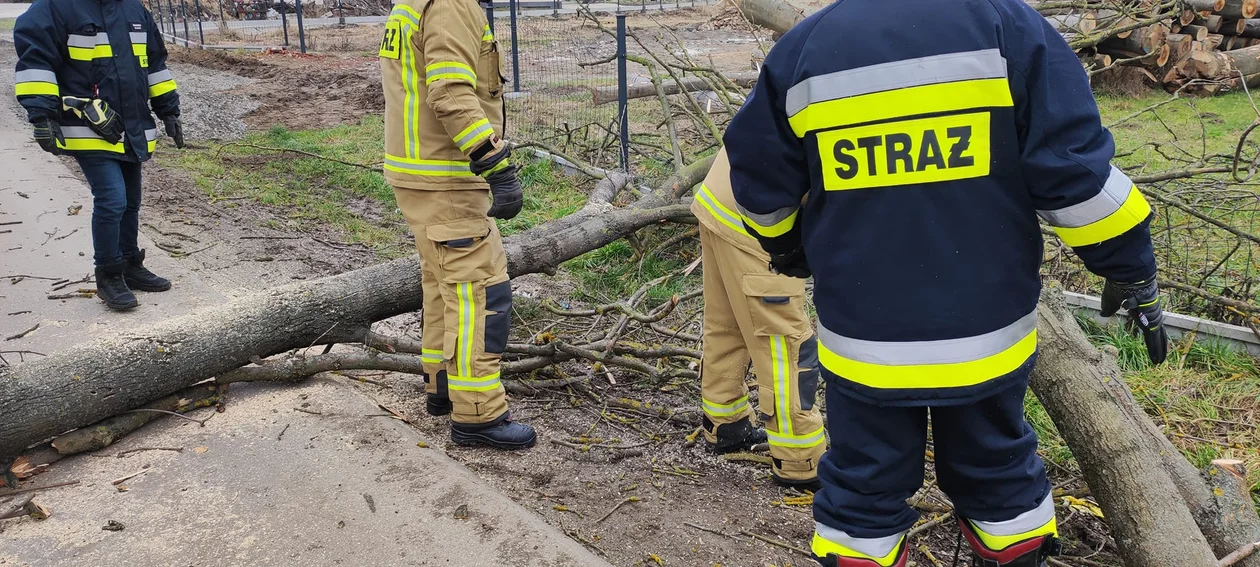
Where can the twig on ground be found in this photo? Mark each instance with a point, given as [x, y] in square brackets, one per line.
[22, 334]
[84, 293]
[201, 422]
[1239, 554]
[37, 488]
[925, 526]
[61, 286]
[618, 506]
[710, 530]
[130, 451]
[283, 431]
[66, 235]
[773, 541]
[129, 477]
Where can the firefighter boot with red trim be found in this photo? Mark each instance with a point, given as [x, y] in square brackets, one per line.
[1031, 552]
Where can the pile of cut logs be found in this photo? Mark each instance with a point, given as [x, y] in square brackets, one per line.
[1201, 46]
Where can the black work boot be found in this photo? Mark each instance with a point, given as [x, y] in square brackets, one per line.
[436, 405]
[733, 437]
[140, 278]
[502, 433]
[801, 484]
[111, 286]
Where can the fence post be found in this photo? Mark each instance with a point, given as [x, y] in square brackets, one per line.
[157, 14]
[222, 18]
[490, 17]
[301, 31]
[623, 101]
[183, 11]
[201, 34]
[516, 58]
[170, 4]
[341, 13]
[284, 23]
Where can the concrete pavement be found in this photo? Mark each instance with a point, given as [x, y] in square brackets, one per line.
[12, 10]
[336, 483]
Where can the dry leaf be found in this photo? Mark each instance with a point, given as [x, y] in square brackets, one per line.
[422, 445]
[201, 449]
[74, 210]
[461, 513]
[123, 488]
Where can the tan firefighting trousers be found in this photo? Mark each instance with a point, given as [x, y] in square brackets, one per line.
[753, 314]
[467, 298]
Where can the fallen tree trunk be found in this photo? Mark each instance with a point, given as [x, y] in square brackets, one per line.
[1244, 28]
[777, 15]
[1071, 380]
[1218, 70]
[104, 433]
[1073, 23]
[1239, 9]
[605, 95]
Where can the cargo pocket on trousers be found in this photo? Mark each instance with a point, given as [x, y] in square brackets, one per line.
[462, 250]
[775, 317]
[807, 373]
[499, 316]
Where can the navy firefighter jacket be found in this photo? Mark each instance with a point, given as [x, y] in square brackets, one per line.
[928, 145]
[107, 49]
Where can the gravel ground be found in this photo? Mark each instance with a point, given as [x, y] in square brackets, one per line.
[208, 108]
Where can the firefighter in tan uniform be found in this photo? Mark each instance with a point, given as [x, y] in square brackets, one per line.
[443, 120]
[753, 314]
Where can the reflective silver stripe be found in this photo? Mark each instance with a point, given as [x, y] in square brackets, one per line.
[139, 37]
[710, 202]
[1109, 200]
[721, 410]
[150, 134]
[34, 76]
[442, 168]
[453, 381]
[87, 41]
[877, 547]
[431, 72]
[405, 15]
[768, 219]
[808, 440]
[473, 135]
[1023, 523]
[948, 351]
[79, 132]
[947, 68]
[160, 76]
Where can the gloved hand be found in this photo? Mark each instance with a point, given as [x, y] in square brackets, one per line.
[792, 264]
[99, 116]
[174, 129]
[48, 133]
[505, 187]
[1141, 299]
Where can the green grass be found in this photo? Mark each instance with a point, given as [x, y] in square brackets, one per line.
[549, 194]
[1196, 125]
[1204, 397]
[7, 23]
[615, 271]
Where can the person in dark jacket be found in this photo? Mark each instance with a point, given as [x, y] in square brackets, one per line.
[927, 159]
[88, 73]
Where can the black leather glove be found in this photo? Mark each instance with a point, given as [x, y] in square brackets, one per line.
[792, 264]
[99, 116]
[505, 187]
[48, 133]
[174, 129]
[1141, 300]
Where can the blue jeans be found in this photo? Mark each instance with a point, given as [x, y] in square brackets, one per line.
[115, 207]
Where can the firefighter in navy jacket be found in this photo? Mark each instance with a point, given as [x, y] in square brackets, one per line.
[926, 160]
[88, 73]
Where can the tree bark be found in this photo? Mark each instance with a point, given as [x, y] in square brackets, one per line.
[1223, 69]
[777, 15]
[1198, 33]
[1206, 5]
[1071, 380]
[104, 433]
[605, 95]
[1212, 22]
[1245, 28]
[1239, 9]
[1073, 23]
[1213, 42]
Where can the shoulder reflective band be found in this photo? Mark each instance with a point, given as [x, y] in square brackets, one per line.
[882, 550]
[1036, 522]
[472, 135]
[140, 48]
[770, 225]
[724, 410]
[719, 211]
[451, 70]
[161, 83]
[429, 167]
[486, 35]
[939, 83]
[89, 47]
[949, 363]
[405, 12]
[1117, 207]
[36, 82]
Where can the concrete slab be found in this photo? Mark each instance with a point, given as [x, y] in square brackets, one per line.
[13, 10]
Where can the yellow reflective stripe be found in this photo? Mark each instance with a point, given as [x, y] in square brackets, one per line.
[472, 135]
[777, 229]
[945, 375]
[467, 312]
[473, 384]
[152, 145]
[486, 35]
[407, 12]
[782, 403]
[719, 211]
[89, 53]
[91, 144]
[808, 440]
[912, 101]
[161, 88]
[139, 49]
[37, 88]
[998, 543]
[452, 70]
[822, 546]
[427, 167]
[410, 77]
[499, 166]
[724, 410]
[432, 355]
[1130, 214]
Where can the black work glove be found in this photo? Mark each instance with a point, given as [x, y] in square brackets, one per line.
[792, 264]
[48, 133]
[485, 157]
[505, 187]
[174, 129]
[99, 116]
[1141, 299]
